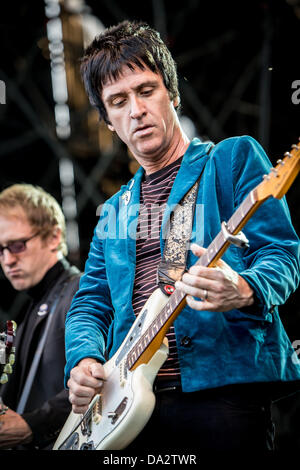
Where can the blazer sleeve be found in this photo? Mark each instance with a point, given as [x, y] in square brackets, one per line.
[91, 312]
[272, 259]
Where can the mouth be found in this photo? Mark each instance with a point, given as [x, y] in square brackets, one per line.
[14, 273]
[142, 131]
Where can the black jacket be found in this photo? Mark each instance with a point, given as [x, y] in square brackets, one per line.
[47, 407]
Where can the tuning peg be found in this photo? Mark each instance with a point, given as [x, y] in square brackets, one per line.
[8, 369]
[266, 177]
[3, 379]
[294, 146]
[288, 154]
[11, 359]
[274, 171]
[280, 162]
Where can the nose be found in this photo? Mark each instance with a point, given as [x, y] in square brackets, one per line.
[7, 257]
[137, 107]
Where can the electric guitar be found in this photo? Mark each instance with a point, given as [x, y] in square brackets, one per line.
[118, 414]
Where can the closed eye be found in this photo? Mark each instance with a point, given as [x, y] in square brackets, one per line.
[146, 91]
[118, 101]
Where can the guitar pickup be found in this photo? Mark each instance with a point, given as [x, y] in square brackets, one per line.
[97, 410]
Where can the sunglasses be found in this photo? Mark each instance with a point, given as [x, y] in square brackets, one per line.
[17, 246]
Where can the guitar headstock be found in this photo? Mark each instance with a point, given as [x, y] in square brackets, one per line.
[7, 350]
[280, 178]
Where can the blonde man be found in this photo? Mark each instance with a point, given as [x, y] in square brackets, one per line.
[32, 256]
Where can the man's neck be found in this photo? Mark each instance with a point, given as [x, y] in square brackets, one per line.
[175, 151]
[38, 290]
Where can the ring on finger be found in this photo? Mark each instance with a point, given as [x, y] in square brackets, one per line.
[205, 294]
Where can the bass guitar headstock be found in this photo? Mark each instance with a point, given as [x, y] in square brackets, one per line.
[7, 350]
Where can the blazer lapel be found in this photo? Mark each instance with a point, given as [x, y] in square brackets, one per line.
[192, 164]
[191, 167]
[36, 320]
[129, 206]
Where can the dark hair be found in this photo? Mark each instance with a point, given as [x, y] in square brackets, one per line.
[131, 44]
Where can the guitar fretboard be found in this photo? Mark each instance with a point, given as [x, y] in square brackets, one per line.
[234, 225]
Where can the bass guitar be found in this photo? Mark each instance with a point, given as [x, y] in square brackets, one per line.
[119, 413]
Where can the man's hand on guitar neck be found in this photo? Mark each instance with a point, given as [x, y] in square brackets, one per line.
[86, 379]
[220, 289]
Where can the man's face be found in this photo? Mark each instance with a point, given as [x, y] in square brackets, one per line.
[25, 269]
[140, 111]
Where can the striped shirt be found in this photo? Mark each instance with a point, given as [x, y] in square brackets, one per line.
[155, 190]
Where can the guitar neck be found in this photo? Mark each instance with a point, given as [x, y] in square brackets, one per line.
[152, 338]
[234, 225]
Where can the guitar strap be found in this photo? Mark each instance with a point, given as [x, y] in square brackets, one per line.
[173, 261]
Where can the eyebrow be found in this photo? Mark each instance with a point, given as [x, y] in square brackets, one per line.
[148, 83]
[14, 240]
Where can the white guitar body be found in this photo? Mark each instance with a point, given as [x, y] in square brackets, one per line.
[117, 415]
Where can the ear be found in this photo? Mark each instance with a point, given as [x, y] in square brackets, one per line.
[110, 127]
[176, 102]
[55, 239]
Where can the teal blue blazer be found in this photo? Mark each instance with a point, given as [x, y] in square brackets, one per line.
[238, 346]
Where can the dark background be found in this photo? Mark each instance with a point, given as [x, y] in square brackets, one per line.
[236, 64]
